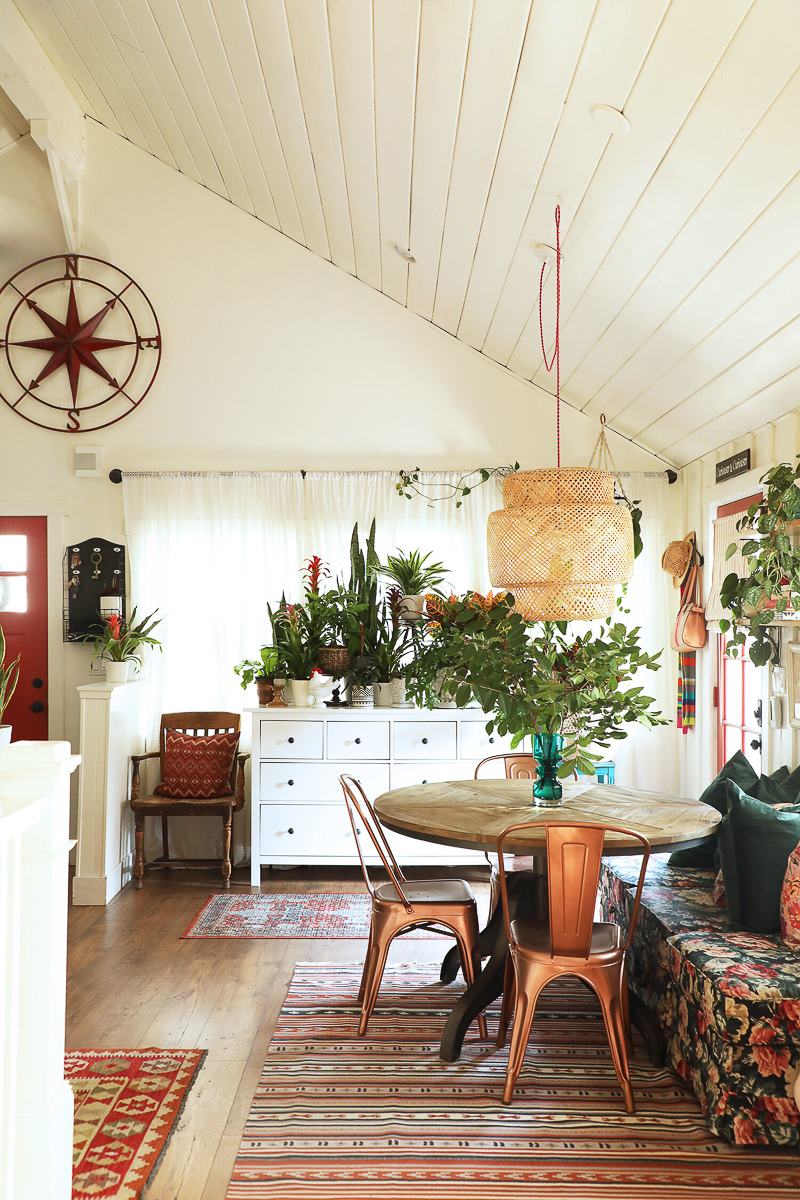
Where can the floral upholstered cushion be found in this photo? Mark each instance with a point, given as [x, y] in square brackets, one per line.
[197, 767]
[790, 901]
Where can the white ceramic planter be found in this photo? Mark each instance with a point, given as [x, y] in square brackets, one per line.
[383, 695]
[361, 697]
[411, 608]
[398, 687]
[5, 735]
[300, 692]
[116, 672]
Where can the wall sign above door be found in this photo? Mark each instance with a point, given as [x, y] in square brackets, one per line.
[80, 343]
[737, 464]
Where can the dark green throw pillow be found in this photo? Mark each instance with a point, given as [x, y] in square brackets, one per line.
[736, 770]
[778, 788]
[755, 842]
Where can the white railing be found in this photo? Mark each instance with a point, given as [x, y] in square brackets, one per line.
[36, 1103]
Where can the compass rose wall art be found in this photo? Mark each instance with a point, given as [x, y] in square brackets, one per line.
[80, 343]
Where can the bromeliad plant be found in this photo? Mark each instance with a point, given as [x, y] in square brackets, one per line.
[122, 641]
[534, 679]
[772, 585]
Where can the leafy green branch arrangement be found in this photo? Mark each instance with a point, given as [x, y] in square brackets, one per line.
[772, 585]
[534, 678]
[409, 484]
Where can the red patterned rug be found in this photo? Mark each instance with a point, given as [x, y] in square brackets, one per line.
[127, 1103]
[337, 1117]
[297, 915]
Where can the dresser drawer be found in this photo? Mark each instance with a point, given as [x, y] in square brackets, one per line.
[409, 774]
[318, 783]
[408, 849]
[358, 739]
[309, 831]
[291, 739]
[423, 740]
[477, 743]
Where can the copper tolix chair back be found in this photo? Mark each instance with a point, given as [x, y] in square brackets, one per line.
[517, 766]
[403, 904]
[570, 943]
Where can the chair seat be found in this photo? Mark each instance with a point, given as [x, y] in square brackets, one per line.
[533, 940]
[427, 891]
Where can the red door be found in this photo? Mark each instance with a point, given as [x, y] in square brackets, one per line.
[23, 616]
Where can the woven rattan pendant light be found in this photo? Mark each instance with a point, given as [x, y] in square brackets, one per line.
[560, 543]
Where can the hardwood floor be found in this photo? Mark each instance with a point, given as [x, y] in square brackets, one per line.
[132, 982]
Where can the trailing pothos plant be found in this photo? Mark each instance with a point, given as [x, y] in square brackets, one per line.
[533, 678]
[772, 584]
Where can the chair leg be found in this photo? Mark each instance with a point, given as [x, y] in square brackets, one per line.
[507, 1005]
[363, 985]
[138, 862]
[524, 1008]
[608, 988]
[376, 962]
[471, 968]
[227, 824]
[626, 1012]
[164, 836]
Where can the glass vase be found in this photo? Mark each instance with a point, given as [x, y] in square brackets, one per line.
[547, 789]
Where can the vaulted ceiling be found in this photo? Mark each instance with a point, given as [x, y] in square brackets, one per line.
[451, 128]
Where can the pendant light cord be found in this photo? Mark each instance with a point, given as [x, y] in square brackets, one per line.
[556, 356]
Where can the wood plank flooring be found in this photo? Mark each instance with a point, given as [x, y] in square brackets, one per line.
[132, 982]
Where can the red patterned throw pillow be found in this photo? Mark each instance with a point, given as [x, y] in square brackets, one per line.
[197, 768]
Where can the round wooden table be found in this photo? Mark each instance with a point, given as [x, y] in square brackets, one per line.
[472, 813]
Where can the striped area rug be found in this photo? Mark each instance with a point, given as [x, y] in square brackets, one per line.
[336, 1117]
[294, 915]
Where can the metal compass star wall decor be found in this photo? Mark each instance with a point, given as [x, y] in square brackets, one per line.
[80, 343]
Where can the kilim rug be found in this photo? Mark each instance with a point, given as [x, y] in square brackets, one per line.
[337, 1117]
[306, 915]
[127, 1103]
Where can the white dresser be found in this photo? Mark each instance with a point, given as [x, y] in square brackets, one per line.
[298, 812]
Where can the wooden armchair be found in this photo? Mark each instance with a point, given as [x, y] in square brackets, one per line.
[223, 803]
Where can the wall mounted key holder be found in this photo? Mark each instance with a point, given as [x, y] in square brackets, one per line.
[94, 586]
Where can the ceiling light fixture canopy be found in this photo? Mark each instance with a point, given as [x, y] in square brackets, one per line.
[611, 119]
[560, 543]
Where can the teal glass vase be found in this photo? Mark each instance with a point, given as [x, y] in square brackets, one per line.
[547, 790]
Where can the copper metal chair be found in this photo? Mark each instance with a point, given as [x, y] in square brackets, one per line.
[517, 766]
[570, 943]
[166, 806]
[403, 904]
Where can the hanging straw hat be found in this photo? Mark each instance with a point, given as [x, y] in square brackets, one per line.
[677, 558]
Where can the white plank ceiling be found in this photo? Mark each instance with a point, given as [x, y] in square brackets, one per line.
[451, 128]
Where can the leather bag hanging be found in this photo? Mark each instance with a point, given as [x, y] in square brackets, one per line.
[690, 628]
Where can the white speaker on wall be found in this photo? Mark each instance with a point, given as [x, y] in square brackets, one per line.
[88, 461]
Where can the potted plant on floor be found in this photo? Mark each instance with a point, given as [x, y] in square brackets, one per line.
[9, 676]
[120, 643]
[413, 575]
[263, 670]
[567, 691]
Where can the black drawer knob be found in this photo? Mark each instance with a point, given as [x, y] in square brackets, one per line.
[291, 831]
[37, 706]
[290, 741]
[491, 741]
[358, 741]
[37, 683]
[291, 783]
[424, 741]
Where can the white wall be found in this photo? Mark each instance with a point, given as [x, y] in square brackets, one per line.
[700, 496]
[272, 359]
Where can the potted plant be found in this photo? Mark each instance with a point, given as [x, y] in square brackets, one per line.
[566, 691]
[388, 648]
[361, 675]
[9, 675]
[263, 670]
[772, 586]
[296, 645]
[120, 642]
[414, 576]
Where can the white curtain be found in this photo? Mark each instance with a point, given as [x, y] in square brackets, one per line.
[649, 759]
[210, 549]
